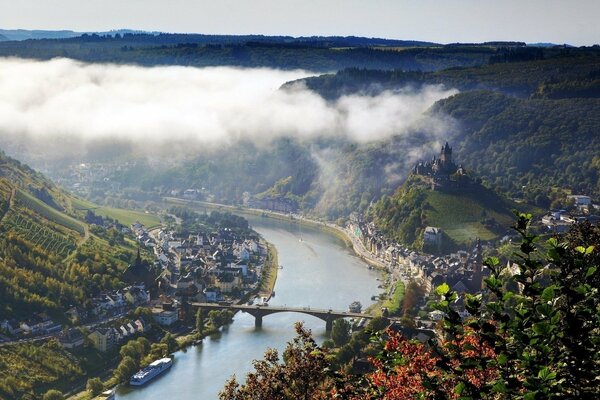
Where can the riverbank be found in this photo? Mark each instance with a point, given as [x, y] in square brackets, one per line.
[269, 273]
[335, 230]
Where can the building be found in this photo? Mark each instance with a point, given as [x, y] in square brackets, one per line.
[432, 236]
[104, 339]
[165, 316]
[139, 272]
[71, 339]
[581, 201]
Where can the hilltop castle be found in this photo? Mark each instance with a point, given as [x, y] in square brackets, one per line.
[440, 169]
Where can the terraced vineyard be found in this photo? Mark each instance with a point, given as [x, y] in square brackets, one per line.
[49, 213]
[38, 234]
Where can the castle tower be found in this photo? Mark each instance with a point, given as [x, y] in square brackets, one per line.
[446, 154]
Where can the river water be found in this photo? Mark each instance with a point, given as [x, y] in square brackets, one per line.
[318, 271]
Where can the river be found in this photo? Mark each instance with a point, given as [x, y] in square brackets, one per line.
[318, 271]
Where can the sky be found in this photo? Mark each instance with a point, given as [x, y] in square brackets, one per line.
[443, 21]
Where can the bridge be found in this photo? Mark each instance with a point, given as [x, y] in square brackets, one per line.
[260, 311]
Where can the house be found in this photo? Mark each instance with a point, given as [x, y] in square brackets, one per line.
[140, 325]
[11, 326]
[581, 201]
[432, 236]
[164, 317]
[212, 294]
[71, 339]
[104, 339]
[40, 323]
[228, 281]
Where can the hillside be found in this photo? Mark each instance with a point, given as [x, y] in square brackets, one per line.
[310, 53]
[464, 212]
[528, 127]
[50, 261]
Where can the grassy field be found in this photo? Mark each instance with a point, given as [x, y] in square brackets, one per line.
[462, 214]
[394, 303]
[126, 217]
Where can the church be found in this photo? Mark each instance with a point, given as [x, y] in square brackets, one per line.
[139, 272]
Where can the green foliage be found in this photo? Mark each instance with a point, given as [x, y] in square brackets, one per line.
[94, 386]
[544, 336]
[53, 394]
[325, 54]
[200, 321]
[538, 339]
[218, 318]
[394, 302]
[528, 147]
[300, 375]
[340, 332]
[126, 368]
[35, 367]
[464, 213]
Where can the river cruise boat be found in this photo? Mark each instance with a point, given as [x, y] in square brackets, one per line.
[355, 307]
[153, 370]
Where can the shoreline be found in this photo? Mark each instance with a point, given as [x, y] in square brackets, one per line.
[269, 273]
[271, 264]
[331, 228]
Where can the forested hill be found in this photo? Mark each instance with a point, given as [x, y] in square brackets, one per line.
[529, 129]
[553, 73]
[322, 54]
[464, 211]
[49, 260]
[532, 149]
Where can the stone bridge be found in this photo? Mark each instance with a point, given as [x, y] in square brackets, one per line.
[260, 311]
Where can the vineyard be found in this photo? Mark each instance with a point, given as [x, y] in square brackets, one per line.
[49, 213]
[39, 235]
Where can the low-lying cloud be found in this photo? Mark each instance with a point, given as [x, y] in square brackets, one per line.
[63, 98]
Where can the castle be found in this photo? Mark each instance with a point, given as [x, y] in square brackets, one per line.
[440, 169]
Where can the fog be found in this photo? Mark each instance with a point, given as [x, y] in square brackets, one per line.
[64, 101]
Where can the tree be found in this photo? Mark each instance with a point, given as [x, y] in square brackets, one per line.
[170, 341]
[215, 318]
[340, 332]
[53, 394]
[127, 367]
[532, 335]
[94, 386]
[200, 321]
[302, 375]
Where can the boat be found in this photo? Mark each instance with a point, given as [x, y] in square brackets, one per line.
[106, 395]
[355, 307]
[264, 301]
[156, 368]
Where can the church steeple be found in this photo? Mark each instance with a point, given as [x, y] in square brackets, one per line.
[138, 258]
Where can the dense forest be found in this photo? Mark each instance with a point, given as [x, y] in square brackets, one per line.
[322, 54]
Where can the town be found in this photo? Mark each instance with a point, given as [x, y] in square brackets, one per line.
[221, 265]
